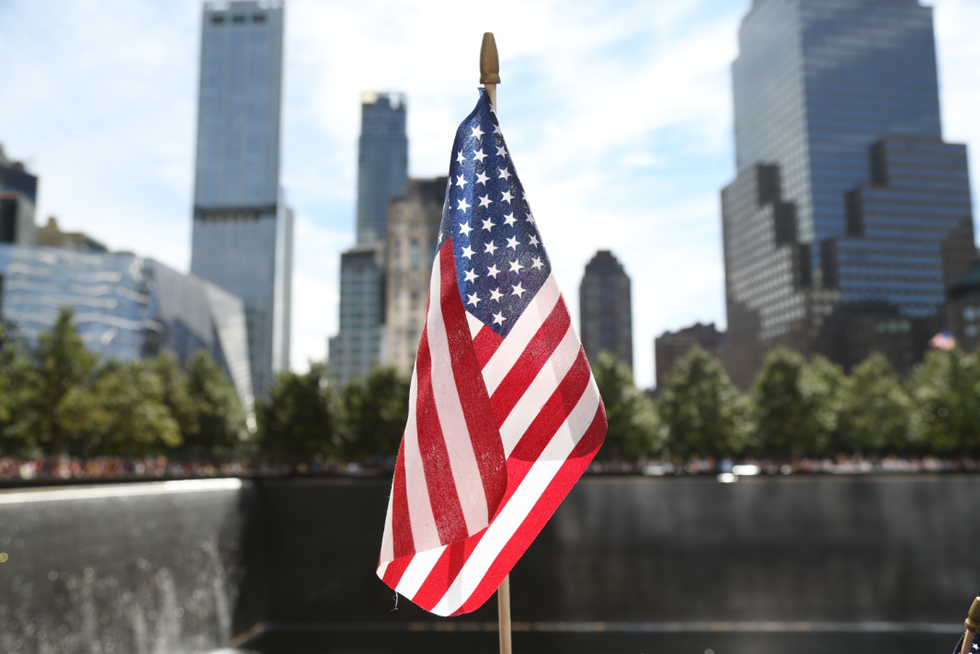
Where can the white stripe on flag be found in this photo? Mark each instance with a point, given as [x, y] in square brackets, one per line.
[387, 538]
[540, 391]
[452, 421]
[425, 534]
[475, 324]
[417, 571]
[513, 346]
[521, 503]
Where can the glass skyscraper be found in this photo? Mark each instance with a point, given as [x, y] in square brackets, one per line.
[358, 343]
[242, 235]
[382, 172]
[849, 216]
[125, 307]
[382, 162]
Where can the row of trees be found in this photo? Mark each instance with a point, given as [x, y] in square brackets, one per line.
[57, 397]
[796, 408]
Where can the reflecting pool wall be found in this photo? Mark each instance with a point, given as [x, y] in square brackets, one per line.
[132, 568]
[183, 567]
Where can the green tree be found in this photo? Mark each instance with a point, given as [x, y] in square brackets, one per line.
[7, 357]
[630, 414]
[700, 409]
[797, 404]
[55, 400]
[945, 392]
[373, 412]
[875, 409]
[823, 384]
[782, 414]
[217, 422]
[298, 421]
[126, 412]
[13, 368]
[174, 394]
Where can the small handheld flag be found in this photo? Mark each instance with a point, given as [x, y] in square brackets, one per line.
[942, 341]
[504, 414]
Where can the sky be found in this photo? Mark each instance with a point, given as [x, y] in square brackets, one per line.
[618, 117]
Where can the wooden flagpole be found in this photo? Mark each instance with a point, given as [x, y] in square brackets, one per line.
[972, 624]
[503, 615]
[490, 77]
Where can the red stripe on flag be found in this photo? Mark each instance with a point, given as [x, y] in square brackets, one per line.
[549, 419]
[446, 508]
[532, 360]
[445, 570]
[395, 570]
[473, 398]
[401, 524]
[567, 475]
[486, 343]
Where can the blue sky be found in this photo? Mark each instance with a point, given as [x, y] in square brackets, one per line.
[618, 117]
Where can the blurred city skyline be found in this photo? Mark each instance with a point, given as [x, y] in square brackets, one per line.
[619, 122]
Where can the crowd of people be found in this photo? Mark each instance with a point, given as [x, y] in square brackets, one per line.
[66, 467]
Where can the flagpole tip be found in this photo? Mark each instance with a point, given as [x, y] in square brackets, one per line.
[489, 63]
[972, 621]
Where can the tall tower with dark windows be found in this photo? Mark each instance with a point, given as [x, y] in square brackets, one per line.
[605, 308]
[382, 162]
[382, 173]
[849, 216]
[242, 234]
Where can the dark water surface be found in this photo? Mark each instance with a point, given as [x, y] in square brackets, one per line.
[830, 564]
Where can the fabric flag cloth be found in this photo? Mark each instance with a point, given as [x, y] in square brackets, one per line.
[504, 414]
[943, 341]
[974, 649]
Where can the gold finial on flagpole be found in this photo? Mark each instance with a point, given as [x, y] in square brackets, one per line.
[489, 67]
[972, 624]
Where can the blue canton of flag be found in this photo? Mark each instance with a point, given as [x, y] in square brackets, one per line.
[500, 262]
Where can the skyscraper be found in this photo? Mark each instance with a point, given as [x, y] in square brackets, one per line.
[357, 345]
[382, 172]
[849, 215]
[146, 309]
[18, 197]
[242, 235]
[382, 162]
[605, 308]
[670, 347]
[414, 218]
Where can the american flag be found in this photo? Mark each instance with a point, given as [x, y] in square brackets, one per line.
[943, 341]
[504, 415]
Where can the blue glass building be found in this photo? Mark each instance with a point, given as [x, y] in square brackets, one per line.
[382, 173]
[125, 307]
[242, 234]
[382, 162]
[849, 216]
[359, 341]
